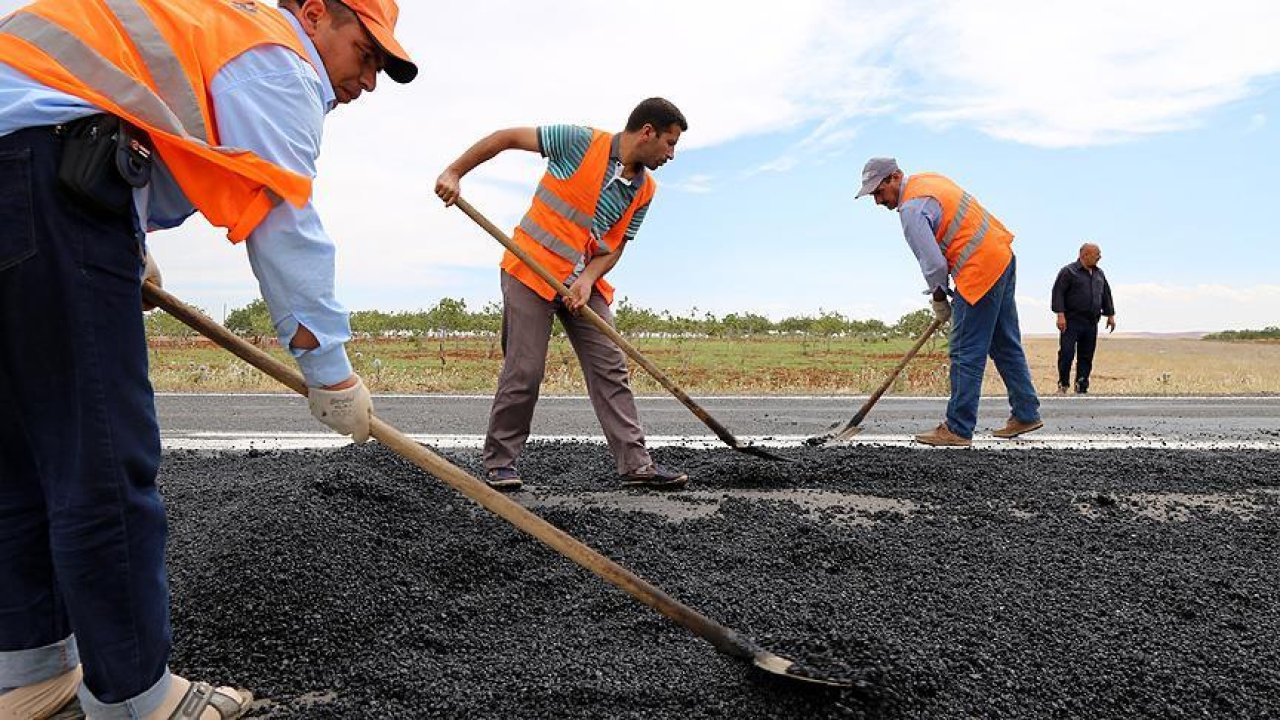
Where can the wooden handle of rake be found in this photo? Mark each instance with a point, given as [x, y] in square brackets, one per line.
[720, 430]
[723, 638]
[871, 401]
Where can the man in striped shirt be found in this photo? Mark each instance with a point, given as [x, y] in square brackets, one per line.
[588, 207]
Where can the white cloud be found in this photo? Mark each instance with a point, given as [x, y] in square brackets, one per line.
[698, 184]
[1089, 72]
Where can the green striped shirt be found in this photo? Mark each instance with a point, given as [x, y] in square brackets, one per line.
[564, 147]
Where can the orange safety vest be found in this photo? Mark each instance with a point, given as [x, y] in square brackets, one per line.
[977, 245]
[557, 230]
[150, 62]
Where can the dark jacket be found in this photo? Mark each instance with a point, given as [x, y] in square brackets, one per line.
[1081, 293]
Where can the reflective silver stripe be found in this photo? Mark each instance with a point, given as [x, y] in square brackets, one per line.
[165, 68]
[954, 227]
[562, 208]
[101, 74]
[549, 241]
[973, 244]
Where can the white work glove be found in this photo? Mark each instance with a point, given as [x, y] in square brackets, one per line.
[941, 310]
[347, 411]
[150, 274]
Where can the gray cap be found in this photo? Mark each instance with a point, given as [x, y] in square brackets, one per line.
[876, 170]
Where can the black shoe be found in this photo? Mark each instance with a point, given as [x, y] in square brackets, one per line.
[656, 476]
[1082, 390]
[504, 478]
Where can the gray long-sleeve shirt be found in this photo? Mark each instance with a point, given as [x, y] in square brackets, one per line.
[1080, 292]
[920, 220]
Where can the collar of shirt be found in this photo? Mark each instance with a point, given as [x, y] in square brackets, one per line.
[616, 166]
[902, 191]
[330, 97]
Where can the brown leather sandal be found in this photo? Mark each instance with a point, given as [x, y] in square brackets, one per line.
[201, 696]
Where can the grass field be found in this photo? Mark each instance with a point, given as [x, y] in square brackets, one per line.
[770, 365]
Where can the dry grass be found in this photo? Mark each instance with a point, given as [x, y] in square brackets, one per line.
[1123, 366]
[1159, 366]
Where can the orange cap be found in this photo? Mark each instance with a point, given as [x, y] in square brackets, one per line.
[379, 18]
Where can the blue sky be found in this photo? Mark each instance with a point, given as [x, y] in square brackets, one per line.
[1151, 128]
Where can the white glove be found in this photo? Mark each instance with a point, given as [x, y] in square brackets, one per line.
[941, 310]
[150, 274]
[347, 411]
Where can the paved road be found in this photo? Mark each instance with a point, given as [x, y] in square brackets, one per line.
[1071, 421]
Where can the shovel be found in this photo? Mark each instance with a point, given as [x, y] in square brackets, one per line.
[837, 434]
[726, 640]
[720, 430]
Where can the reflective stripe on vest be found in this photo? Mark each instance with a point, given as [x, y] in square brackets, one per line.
[954, 227]
[168, 73]
[974, 242]
[549, 241]
[85, 63]
[562, 208]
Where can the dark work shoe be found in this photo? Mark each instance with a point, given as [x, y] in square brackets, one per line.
[656, 476]
[504, 478]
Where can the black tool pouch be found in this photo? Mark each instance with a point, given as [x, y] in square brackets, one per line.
[103, 159]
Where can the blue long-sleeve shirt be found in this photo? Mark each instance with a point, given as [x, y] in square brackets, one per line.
[272, 102]
[920, 219]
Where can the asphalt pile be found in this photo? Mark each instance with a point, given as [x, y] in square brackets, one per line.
[1101, 584]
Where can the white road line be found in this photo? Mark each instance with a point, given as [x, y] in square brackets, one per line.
[240, 441]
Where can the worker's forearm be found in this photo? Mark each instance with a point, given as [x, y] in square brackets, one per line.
[478, 154]
[600, 265]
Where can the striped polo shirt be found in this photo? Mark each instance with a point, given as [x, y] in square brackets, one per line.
[564, 147]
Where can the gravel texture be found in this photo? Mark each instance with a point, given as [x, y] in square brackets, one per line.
[1055, 584]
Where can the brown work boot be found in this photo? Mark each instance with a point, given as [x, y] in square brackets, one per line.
[942, 436]
[1016, 427]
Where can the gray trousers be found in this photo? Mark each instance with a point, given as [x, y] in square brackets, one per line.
[526, 333]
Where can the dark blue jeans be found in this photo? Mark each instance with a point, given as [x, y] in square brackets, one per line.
[82, 526]
[1078, 342]
[988, 327]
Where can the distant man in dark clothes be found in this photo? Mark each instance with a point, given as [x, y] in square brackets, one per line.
[1081, 295]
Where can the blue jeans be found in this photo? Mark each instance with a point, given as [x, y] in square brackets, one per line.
[82, 525]
[988, 327]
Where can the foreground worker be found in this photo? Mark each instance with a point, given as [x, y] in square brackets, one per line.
[952, 235]
[1081, 296]
[224, 103]
[588, 206]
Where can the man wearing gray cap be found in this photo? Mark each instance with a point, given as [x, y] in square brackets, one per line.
[953, 236]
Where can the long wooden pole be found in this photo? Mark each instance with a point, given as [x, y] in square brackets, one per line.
[725, 639]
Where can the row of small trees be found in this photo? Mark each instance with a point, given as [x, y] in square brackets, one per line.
[1270, 332]
[451, 316]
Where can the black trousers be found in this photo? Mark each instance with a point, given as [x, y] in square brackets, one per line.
[1078, 342]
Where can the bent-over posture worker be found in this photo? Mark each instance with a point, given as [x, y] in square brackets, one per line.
[587, 208]
[1081, 296]
[119, 116]
[953, 236]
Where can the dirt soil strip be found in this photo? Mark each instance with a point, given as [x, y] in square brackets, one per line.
[1108, 584]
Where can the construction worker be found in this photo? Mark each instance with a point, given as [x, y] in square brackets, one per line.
[953, 236]
[1081, 296]
[587, 208]
[118, 116]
